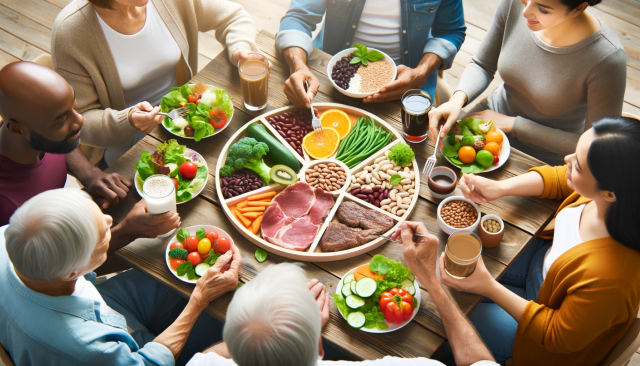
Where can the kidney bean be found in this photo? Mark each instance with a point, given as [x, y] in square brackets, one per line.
[367, 191]
[376, 203]
[371, 197]
[355, 191]
[363, 196]
[376, 195]
[386, 193]
[376, 188]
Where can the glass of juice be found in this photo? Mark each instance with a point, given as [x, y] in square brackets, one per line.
[159, 195]
[254, 79]
[461, 254]
[416, 105]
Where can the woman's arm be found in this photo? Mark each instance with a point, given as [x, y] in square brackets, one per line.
[483, 190]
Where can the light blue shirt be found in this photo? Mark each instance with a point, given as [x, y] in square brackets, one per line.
[38, 329]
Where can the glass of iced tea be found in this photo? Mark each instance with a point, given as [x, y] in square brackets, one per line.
[254, 79]
[416, 104]
[461, 253]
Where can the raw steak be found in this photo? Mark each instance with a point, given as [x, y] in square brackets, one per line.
[341, 237]
[293, 218]
[354, 215]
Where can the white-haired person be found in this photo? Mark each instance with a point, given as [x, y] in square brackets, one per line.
[52, 314]
[270, 324]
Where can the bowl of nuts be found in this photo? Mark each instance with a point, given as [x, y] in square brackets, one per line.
[458, 213]
[332, 176]
[491, 231]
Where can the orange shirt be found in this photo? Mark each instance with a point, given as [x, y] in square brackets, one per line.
[588, 300]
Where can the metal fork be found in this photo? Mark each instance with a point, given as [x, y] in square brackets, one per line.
[431, 161]
[176, 113]
[397, 241]
[315, 121]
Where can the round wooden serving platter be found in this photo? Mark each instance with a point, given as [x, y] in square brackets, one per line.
[313, 252]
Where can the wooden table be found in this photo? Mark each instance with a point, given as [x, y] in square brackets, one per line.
[524, 217]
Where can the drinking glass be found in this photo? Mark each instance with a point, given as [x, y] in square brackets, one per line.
[461, 253]
[254, 79]
[159, 195]
[416, 104]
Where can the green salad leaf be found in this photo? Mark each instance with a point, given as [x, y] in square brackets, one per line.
[261, 255]
[184, 267]
[450, 151]
[363, 55]
[472, 168]
[145, 166]
[201, 233]
[182, 235]
[172, 151]
[212, 258]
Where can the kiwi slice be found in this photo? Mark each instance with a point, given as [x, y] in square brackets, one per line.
[283, 175]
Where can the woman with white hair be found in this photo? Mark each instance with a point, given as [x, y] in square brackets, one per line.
[269, 324]
[51, 314]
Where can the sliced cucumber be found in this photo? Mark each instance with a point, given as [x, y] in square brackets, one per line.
[346, 289]
[356, 320]
[348, 278]
[353, 287]
[201, 269]
[411, 277]
[408, 286]
[366, 287]
[354, 301]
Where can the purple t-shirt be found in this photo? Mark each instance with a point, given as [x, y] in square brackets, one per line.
[18, 182]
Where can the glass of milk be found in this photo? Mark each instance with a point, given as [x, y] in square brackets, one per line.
[159, 196]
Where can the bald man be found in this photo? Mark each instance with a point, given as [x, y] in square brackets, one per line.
[39, 135]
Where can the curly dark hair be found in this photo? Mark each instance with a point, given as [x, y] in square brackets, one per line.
[571, 4]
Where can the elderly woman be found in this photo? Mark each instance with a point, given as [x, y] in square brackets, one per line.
[121, 56]
[52, 314]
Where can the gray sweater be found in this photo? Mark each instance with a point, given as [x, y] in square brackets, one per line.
[555, 93]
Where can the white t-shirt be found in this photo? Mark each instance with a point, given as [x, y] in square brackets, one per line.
[380, 27]
[87, 290]
[212, 359]
[146, 61]
[565, 236]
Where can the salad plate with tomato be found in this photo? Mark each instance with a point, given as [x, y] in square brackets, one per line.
[195, 249]
[210, 110]
[184, 166]
[378, 297]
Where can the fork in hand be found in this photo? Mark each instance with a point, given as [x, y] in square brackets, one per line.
[176, 113]
[431, 161]
[315, 121]
[416, 237]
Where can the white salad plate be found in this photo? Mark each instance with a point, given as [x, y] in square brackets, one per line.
[346, 52]
[505, 150]
[392, 326]
[188, 153]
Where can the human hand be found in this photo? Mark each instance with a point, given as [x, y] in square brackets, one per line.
[145, 117]
[216, 281]
[479, 189]
[479, 282]
[294, 87]
[243, 54]
[505, 123]
[140, 224]
[420, 255]
[406, 79]
[319, 292]
[107, 189]
[448, 113]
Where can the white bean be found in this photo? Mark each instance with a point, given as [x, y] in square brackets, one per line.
[397, 168]
[376, 175]
[376, 166]
[359, 180]
[368, 168]
[406, 200]
[404, 175]
[392, 194]
[411, 191]
[404, 206]
[403, 194]
[393, 210]
[407, 170]
[368, 179]
[385, 207]
[398, 200]
[401, 212]
[411, 197]
[382, 175]
[354, 186]
[405, 181]
[379, 159]
[393, 204]
[385, 201]
[374, 180]
[383, 186]
[391, 172]
[407, 186]
[413, 175]
[386, 153]
[386, 166]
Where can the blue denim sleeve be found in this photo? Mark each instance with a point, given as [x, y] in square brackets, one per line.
[298, 23]
[118, 353]
[448, 32]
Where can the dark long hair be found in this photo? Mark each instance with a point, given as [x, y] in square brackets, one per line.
[614, 161]
[572, 4]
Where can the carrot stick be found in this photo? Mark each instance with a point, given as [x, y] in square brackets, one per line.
[259, 203]
[258, 197]
[252, 215]
[251, 209]
[242, 204]
[255, 227]
[242, 219]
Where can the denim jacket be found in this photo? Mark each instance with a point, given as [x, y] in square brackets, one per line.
[37, 329]
[428, 26]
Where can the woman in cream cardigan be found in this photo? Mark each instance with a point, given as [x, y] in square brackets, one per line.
[569, 300]
[121, 56]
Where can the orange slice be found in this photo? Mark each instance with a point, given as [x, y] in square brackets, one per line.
[323, 145]
[338, 120]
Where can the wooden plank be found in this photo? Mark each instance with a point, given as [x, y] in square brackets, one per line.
[17, 47]
[266, 14]
[59, 3]
[25, 28]
[6, 58]
[628, 10]
[41, 11]
[202, 61]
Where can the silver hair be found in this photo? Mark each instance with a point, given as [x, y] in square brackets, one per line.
[52, 234]
[274, 320]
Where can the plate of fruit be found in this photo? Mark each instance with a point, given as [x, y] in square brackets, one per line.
[378, 297]
[193, 250]
[476, 146]
[210, 110]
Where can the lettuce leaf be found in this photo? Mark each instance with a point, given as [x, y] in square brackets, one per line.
[472, 168]
[223, 102]
[145, 166]
[173, 152]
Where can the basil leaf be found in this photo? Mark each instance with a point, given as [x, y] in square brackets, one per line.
[369, 316]
[370, 324]
[261, 255]
[364, 61]
[212, 259]
[472, 168]
[184, 267]
[395, 179]
[362, 49]
[374, 55]
[182, 235]
[355, 60]
[381, 325]
[201, 233]
[191, 274]
[357, 53]
[450, 151]
[379, 316]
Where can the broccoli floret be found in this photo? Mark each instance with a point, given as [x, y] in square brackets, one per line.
[401, 154]
[247, 153]
[178, 253]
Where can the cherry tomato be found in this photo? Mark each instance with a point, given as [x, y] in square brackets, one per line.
[192, 98]
[496, 160]
[188, 170]
[175, 182]
[182, 104]
[189, 131]
[204, 246]
[176, 245]
[222, 245]
[218, 118]
[194, 258]
[191, 244]
[174, 263]
[212, 236]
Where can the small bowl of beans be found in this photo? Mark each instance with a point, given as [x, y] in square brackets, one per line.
[458, 213]
[369, 78]
[491, 230]
[330, 175]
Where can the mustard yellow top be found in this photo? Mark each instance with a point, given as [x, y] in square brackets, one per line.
[588, 299]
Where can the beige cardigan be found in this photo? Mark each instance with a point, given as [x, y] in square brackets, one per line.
[82, 56]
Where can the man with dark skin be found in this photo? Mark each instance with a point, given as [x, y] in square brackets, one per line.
[39, 129]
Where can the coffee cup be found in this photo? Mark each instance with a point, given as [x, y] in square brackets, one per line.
[489, 239]
[442, 182]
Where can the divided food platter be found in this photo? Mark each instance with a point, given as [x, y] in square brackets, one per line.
[340, 205]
